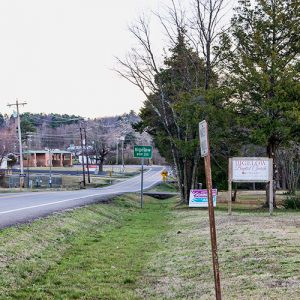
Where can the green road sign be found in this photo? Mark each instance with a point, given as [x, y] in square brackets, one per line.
[142, 152]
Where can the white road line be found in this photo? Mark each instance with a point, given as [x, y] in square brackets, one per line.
[24, 194]
[47, 204]
[67, 200]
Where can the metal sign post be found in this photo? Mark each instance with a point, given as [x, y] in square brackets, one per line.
[142, 152]
[142, 182]
[205, 152]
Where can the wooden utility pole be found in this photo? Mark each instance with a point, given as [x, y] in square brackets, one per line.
[117, 153]
[87, 156]
[82, 157]
[205, 152]
[17, 104]
[50, 167]
[122, 139]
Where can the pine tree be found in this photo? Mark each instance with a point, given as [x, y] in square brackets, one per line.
[262, 63]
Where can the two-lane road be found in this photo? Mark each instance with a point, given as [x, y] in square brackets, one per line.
[22, 207]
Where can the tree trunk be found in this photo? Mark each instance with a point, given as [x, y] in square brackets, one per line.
[195, 169]
[208, 66]
[233, 198]
[188, 178]
[185, 182]
[185, 179]
[271, 150]
[100, 165]
[181, 184]
[179, 173]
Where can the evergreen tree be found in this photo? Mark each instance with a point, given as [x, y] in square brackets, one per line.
[177, 104]
[262, 59]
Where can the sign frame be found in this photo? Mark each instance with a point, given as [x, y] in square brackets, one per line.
[144, 151]
[256, 168]
[267, 178]
[203, 137]
[203, 195]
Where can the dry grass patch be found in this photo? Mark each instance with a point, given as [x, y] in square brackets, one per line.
[259, 257]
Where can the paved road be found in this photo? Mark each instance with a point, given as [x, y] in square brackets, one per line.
[22, 207]
[74, 171]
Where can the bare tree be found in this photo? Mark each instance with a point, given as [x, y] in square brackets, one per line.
[142, 68]
[98, 142]
[206, 29]
[100, 150]
[289, 164]
[8, 141]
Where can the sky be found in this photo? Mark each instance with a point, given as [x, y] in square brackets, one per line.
[59, 55]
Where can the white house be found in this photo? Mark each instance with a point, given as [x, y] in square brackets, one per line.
[4, 163]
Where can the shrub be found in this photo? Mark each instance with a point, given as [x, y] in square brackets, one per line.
[292, 202]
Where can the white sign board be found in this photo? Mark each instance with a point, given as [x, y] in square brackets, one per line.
[199, 198]
[250, 169]
[203, 138]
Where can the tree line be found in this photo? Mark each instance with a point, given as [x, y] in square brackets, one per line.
[242, 78]
[100, 137]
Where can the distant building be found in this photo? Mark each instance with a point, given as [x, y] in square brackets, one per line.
[4, 163]
[91, 159]
[45, 158]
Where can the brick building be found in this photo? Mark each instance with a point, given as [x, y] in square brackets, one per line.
[45, 158]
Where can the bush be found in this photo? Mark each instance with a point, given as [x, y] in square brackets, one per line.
[292, 202]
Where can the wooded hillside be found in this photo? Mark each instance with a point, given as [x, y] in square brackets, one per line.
[55, 131]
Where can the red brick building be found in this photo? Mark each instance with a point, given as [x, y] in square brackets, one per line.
[45, 158]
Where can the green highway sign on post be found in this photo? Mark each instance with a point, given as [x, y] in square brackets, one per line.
[142, 152]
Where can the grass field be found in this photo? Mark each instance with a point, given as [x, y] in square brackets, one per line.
[118, 251]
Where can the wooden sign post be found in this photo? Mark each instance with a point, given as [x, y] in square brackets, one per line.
[205, 152]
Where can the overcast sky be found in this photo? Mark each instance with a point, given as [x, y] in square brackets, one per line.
[57, 55]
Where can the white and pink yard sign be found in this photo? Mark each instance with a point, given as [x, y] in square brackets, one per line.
[199, 198]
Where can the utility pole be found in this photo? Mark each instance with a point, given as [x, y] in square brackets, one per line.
[87, 156]
[17, 104]
[122, 138]
[82, 156]
[50, 168]
[28, 142]
[117, 154]
[27, 147]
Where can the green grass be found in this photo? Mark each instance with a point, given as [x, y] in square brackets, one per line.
[97, 252]
[119, 251]
[165, 187]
